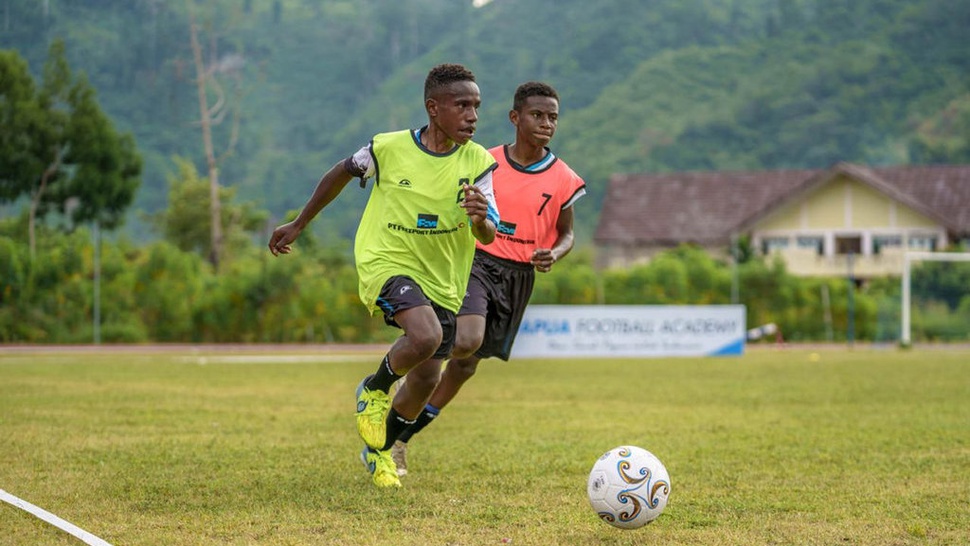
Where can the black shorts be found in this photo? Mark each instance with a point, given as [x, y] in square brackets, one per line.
[499, 290]
[400, 293]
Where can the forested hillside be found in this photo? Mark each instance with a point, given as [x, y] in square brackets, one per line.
[646, 86]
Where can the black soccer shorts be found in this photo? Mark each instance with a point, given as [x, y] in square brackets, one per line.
[499, 290]
[401, 292]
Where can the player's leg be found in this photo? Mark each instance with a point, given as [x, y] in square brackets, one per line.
[456, 373]
[411, 311]
[415, 346]
[470, 327]
[413, 393]
[422, 378]
[416, 349]
[473, 317]
[410, 403]
[469, 330]
[463, 364]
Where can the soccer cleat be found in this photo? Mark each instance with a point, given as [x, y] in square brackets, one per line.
[399, 453]
[372, 409]
[381, 467]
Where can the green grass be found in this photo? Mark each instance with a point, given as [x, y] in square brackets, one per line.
[864, 447]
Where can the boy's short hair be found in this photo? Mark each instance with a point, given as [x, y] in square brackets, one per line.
[445, 74]
[532, 89]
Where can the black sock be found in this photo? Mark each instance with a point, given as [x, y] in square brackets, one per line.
[385, 376]
[424, 419]
[396, 424]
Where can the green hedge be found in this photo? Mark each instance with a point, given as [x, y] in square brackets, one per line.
[158, 293]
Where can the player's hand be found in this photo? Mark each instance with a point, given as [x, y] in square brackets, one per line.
[542, 259]
[475, 204]
[279, 242]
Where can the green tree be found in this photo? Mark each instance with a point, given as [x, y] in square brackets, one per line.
[106, 165]
[19, 116]
[59, 149]
[186, 223]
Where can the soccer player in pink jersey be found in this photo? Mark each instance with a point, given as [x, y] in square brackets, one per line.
[535, 190]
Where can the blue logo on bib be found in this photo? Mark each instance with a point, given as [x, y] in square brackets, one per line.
[427, 221]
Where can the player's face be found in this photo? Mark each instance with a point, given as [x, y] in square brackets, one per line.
[537, 120]
[455, 110]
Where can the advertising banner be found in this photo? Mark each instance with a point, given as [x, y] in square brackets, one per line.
[563, 331]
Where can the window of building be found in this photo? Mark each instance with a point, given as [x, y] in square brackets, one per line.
[879, 242]
[773, 244]
[813, 243]
[848, 244]
[922, 242]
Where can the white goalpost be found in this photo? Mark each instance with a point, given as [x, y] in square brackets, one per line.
[905, 338]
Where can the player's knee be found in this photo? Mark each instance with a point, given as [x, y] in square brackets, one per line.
[425, 342]
[466, 345]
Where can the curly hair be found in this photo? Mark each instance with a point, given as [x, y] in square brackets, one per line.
[445, 74]
[532, 89]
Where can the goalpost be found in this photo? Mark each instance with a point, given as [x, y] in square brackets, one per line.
[905, 335]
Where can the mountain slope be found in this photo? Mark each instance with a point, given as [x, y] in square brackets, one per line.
[646, 86]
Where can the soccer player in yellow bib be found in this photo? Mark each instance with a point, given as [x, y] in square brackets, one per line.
[535, 191]
[430, 201]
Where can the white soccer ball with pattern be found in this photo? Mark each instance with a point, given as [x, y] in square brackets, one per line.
[628, 487]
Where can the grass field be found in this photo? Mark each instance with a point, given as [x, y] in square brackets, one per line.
[190, 447]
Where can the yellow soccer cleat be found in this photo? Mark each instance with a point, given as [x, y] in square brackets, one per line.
[381, 467]
[372, 409]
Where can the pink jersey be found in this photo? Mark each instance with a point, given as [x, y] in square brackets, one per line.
[529, 200]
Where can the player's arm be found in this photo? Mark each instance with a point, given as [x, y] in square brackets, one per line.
[328, 188]
[543, 258]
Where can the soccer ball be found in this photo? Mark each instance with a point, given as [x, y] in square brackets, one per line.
[628, 487]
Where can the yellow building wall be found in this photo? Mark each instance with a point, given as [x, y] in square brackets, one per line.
[870, 207]
[786, 218]
[909, 218]
[825, 208]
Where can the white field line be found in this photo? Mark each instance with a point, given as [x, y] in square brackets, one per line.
[65, 526]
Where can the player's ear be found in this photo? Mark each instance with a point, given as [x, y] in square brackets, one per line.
[431, 106]
[514, 117]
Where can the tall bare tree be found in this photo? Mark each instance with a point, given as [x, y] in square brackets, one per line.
[208, 117]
